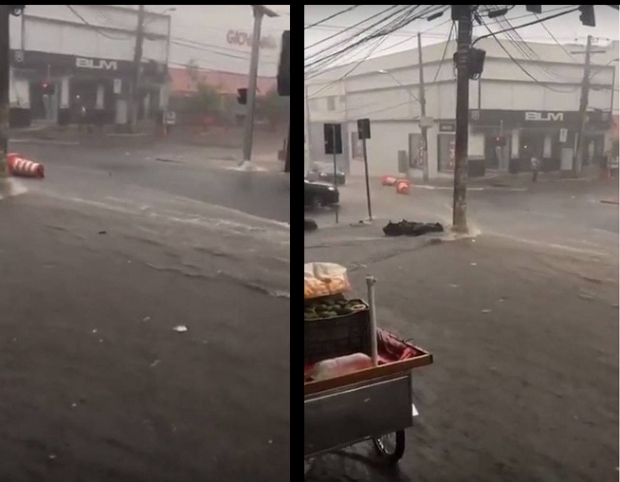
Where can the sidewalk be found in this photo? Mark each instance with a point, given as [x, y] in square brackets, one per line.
[496, 178]
[71, 135]
[524, 384]
[266, 144]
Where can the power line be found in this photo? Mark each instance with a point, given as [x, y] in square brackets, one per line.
[313, 67]
[327, 19]
[366, 35]
[535, 22]
[446, 22]
[445, 51]
[95, 27]
[350, 28]
[514, 37]
[349, 72]
[518, 64]
[210, 48]
[556, 40]
[403, 18]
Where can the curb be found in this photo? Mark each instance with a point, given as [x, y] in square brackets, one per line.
[10, 188]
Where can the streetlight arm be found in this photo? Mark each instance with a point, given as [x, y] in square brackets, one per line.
[415, 97]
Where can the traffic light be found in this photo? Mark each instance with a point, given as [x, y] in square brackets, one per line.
[242, 96]
[587, 15]
[47, 88]
[284, 66]
[500, 141]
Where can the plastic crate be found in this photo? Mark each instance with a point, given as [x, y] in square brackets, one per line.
[338, 336]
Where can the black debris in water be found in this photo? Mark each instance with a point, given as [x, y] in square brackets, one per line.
[310, 225]
[411, 228]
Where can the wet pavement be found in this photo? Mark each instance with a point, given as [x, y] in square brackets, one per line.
[562, 214]
[524, 384]
[103, 259]
[205, 175]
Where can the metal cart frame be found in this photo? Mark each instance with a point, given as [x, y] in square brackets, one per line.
[366, 405]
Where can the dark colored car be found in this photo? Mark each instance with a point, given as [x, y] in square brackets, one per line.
[320, 194]
[324, 172]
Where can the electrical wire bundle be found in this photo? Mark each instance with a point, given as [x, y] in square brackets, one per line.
[369, 32]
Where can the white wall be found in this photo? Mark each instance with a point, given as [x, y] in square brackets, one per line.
[56, 29]
[387, 139]
[19, 93]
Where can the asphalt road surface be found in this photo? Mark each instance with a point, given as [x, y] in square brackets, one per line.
[100, 263]
[524, 384]
[201, 174]
[567, 215]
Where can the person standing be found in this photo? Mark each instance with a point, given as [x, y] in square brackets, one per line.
[535, 166]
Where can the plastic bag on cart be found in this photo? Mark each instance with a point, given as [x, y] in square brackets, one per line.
[324, 279]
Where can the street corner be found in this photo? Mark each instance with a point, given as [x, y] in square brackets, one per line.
[10, 187]
[365, 231]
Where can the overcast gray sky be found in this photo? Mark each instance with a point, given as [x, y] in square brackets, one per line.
[566, 29]
[200, 32]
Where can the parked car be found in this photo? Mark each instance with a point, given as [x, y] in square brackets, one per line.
[324, 172]
[320, 194]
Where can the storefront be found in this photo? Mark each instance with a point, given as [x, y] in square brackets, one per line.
[445, 145]
[55, 87]
[512, 138]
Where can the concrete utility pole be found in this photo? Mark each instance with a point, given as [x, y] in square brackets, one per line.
[308, 125]
[583, 110]
[259, 12]
[423, 128]
[5, 66]
[137, 65]
[459, 206]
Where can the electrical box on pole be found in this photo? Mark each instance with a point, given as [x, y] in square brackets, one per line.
[363, 129]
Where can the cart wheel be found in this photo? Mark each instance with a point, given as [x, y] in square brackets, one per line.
[391, 447]
[307, 466]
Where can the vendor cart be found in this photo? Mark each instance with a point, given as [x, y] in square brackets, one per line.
[373, 404]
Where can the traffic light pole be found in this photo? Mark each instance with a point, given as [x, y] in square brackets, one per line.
[459, 206]
[248, 133]
[137, 70]
[4, 88]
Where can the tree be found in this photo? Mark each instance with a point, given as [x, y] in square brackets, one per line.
[207, 100]
[273, 107]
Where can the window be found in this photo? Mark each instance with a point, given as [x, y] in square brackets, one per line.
[331, 103]
[314, 105]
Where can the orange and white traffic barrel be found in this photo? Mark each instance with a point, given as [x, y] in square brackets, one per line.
[388, 180]
[402, 186]
[18, 166]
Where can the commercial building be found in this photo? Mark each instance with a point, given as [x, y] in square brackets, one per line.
[182, 83]
[525, 104]
[65, 57]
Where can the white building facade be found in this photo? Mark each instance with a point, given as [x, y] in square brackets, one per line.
[525, 104]
[64, 57]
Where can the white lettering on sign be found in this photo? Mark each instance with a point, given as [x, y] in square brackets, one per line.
[237, 37]
[545, 116]
[96, 64]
